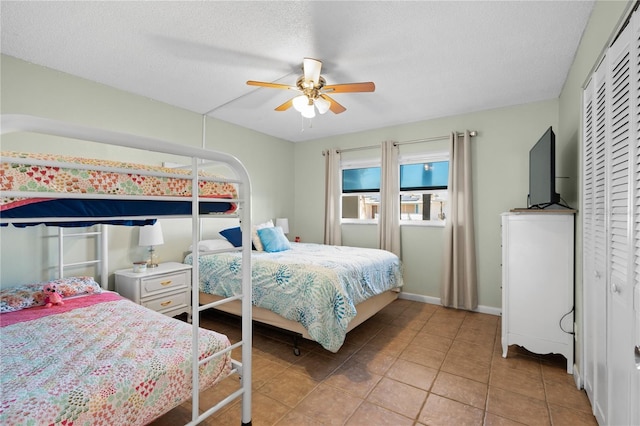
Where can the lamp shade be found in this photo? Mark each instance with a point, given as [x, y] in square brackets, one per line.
[151, 235]
[322, 104]
[284, 224]
[309, 111]
[300, 103]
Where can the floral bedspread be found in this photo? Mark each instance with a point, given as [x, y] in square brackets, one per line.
[20, 175]
[111, 363]
[316, 285]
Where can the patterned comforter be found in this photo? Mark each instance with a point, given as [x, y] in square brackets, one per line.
[20, 174]
[111, 362]
[316, 285]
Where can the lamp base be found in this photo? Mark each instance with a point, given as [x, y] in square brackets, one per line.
[153, 258]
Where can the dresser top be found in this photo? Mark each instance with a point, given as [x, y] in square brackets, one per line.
[543, 211]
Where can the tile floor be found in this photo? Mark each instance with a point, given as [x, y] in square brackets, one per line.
[411, 364]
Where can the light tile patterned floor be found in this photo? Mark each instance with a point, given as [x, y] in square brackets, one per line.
[411, 364]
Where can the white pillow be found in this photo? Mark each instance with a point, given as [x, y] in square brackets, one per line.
[217, 244]
[254, 234]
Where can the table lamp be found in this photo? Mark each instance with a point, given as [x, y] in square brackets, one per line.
[151, 236]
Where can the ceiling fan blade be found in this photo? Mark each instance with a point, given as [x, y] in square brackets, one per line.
[311, 68]
[285, 106]
[350, 87]
[272, 85]
[335, 107]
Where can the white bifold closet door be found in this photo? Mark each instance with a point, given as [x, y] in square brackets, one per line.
[611, 206]
[594, 338]
[635, 414]
[623, 79]
[634, 246]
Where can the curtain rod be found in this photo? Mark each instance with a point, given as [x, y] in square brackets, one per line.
[472, 133]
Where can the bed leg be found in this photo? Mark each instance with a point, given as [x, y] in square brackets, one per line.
[296, 349]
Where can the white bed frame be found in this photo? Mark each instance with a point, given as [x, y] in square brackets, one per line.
[23, 123]
[100, 262]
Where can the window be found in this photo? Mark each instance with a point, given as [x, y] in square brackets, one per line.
[360, 193]
[423, 190]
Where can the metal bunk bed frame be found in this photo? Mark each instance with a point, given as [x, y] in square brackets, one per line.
[100, 263]
[24, 123]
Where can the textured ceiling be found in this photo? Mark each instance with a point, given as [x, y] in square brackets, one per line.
[428, 59]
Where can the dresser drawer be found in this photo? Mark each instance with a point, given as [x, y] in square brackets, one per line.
[167, 302]
[163, 283]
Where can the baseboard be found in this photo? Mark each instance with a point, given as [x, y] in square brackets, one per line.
[436, 301]
[419, 298]
[577, 377]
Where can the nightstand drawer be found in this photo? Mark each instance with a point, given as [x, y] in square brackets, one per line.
[166, 289]
[162, 283]
[168, 301]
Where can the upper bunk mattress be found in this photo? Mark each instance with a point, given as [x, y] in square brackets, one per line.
[93, 177]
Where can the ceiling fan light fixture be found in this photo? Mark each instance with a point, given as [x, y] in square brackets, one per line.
[322, 105]
[300, 102]
[309, 111]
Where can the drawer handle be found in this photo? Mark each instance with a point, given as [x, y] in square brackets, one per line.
[165, 282]
[167, 303]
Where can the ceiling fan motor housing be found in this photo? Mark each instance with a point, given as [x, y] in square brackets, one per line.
[310, 88]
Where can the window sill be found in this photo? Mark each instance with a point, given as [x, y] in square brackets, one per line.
[359, 222]
[426, 224]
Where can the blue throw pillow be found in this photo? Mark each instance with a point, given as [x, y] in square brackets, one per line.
[273, 239]
[233, 235]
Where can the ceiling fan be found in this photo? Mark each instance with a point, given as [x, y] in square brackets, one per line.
[314, 91]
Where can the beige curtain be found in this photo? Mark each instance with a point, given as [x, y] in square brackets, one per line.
[332, 198]
[389, 214]
[459, 280]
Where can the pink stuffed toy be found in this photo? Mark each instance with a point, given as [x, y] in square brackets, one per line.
[52, 295]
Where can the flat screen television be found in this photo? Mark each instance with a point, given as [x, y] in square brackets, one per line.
[542, 172]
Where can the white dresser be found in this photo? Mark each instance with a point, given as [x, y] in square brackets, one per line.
[538, 282]
[165, 289]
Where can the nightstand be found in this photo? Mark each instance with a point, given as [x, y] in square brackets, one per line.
[165, 289]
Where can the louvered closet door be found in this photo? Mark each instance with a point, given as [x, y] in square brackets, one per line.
[622, 75]
[612, 111]
[635, 217]
[588, 361]
[594, 246]
[635, 415]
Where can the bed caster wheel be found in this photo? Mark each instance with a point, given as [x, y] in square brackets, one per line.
[296, 351]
